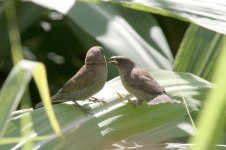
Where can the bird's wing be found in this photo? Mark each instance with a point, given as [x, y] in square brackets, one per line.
[81, 80]
[140, 79]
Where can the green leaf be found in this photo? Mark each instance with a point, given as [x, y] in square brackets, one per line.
[14, 88]
[12, 92]
[199, 52]
[155, 138]
[119, 33]
[27, 14]
[116, 119]
[208, 14]
[14, 36]
[213, 112]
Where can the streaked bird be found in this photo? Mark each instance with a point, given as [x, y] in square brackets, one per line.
[89, 80]
[139, 83]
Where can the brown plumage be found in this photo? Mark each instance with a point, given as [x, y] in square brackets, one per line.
[89, 80]
[138, 82]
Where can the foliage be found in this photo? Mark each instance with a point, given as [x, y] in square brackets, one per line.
[60, 39]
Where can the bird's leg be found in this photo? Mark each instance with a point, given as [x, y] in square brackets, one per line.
[94, 99]
[86, 110]
[124, 97]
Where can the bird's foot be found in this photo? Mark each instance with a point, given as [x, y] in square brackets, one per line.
[86, 110]
[96, 100]
[129, 100]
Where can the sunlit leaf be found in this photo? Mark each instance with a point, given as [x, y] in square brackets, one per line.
[115, 119]
[14, 88]
[206, 13]
[12, 92]
[214, 109]
[118, 32]
[199, 52]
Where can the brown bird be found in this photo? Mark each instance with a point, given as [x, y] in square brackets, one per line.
[139, 83]
[89, 80]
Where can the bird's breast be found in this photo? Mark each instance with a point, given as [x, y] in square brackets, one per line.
[99, 80]
[100, 77]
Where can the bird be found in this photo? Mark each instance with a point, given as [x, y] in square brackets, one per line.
[89, 79]
[139, 83]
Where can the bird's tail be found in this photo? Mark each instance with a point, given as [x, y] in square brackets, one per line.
[55, 99]
[38, 105]
[162, 99]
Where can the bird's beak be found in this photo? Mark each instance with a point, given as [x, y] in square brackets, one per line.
[113, 61]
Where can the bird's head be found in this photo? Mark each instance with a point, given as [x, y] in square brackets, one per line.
[95, 55]
[123, 63]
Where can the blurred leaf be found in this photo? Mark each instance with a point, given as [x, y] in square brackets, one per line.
[39, 74]
[27, 14]
[122, 35]
[136, 34]
[118, 30]
[14, 35]
[26, 120]
[156, 138]
[199, 52]
[14, 88]
[12, 92]
[206, 13]
[213, 112]
[112, 121]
